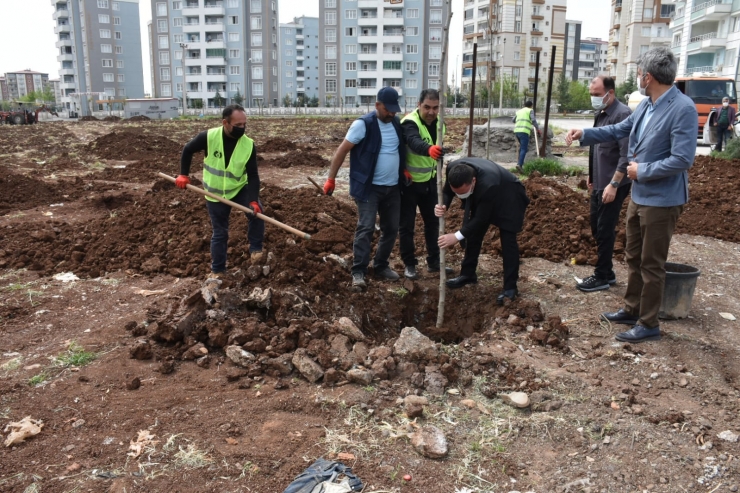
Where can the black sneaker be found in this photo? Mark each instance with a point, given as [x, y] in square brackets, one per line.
[593, 283]
[612, 280]
[388, 274]
[410, 272]
[358, 280]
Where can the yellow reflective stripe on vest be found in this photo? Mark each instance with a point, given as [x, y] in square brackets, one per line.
[523, 122]
[421, 168]
[216, 177]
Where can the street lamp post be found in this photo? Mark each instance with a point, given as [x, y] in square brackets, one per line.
[249, 93]
[183, 92]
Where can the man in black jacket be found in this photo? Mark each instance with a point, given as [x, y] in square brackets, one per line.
[490, 195]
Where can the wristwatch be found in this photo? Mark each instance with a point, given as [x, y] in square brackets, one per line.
[614, 183]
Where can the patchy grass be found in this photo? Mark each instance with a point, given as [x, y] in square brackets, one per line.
[37, 379]
[191, 457]
[75, 356]
[11, 365]
[545, 166]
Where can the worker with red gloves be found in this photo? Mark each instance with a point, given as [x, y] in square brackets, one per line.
[230, 171]
[422, 153]
[377, 157]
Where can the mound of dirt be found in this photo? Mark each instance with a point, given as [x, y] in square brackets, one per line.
[131, 144]
[139, 118]
[21, 192]
[297, 158]
[88, 118]
[111, 118]
[276, 145]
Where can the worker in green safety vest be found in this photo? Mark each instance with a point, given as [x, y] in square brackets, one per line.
[230, 171]
[420, 133]
[524, 122]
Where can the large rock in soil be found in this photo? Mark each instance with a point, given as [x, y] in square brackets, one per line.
[307, 367]
[430, 442]
[347, 327]
[414, 345]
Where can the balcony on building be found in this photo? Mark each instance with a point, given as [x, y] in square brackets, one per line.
[713, 10]
[64, 42]
[191, 7]
[191, 25]
[61, 11]
[392, 35]
[537, 17]
[215, 40]
[535, 48]
[618, 6]
[215, 73]
[216, 56]
[300, 79]
[214, 20]
[536, 32]
[369, 35]
[538, 2]
[394, 17]
[690, 70]
[368, 17]
[615, 43]
[211, 7]
[62, 27]
[367, 4]
[706, 42]
[656, 41]
[299, 37]
[614, 60]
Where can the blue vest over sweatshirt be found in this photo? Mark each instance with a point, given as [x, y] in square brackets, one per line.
[364, 156]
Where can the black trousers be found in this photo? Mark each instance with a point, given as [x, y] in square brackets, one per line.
[423, 196]
[604, 219]
[509, 254]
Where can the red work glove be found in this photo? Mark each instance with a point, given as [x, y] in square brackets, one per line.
[409, 178]
[182, 181]
[436, 152]
[255, 207]
[329, 186]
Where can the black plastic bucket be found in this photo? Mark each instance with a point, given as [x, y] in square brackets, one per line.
[680, 283]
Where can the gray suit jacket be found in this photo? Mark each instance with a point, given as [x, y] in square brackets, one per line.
[664, 151]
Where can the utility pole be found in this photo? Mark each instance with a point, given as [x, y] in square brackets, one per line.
[249, 99]
[490, 89]
[184, 92]
[501, 83]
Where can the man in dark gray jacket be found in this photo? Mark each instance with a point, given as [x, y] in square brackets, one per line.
[608, 183]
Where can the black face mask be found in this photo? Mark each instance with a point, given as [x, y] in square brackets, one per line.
[237, 132]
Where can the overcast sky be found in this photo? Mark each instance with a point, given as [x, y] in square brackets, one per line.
[30, 45]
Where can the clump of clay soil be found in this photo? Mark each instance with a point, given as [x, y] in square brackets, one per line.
[133, 144]
[297, 158]
[139, 118]
[111, 118]
[88, 118]
[276, 145]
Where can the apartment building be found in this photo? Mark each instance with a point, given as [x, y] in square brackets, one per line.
[20, 83]
[56, 86]
[99, 43]
[635, 27]
[706, 37]
[509, 35]
[572, 47]
[592, 59]
[299, 60]
[365, 45]
[204, 48]
[4, 93]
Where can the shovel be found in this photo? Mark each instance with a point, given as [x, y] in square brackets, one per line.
[316, 185]
[249, 211]
[537, 142]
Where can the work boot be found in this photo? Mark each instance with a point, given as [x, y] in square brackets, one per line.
[216, 275]
[434, 269]
[388, 274]
[256, 256]
[358, 281]
[410, 272]
[593, 283]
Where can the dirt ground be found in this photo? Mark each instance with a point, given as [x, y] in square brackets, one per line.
[114, 340]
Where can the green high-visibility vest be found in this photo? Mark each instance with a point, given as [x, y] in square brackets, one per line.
[421, 168]
[523, 121]
[218, 179]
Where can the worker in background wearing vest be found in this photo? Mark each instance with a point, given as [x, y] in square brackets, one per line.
[230, 171]
[422, 153]
[524, 120]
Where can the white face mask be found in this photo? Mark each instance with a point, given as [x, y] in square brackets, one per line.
[642, 89]
[725, 104]
[466, 194]
[599, 102]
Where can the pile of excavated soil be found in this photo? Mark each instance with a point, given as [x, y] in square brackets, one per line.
[88, 118]
[132, 144]
[296, 158]
[139, 118]
[112, 118]
[20, 192]
[275, 145]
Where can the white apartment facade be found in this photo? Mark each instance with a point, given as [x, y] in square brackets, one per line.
[509, 34]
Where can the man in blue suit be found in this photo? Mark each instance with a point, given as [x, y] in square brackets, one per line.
[662, 146]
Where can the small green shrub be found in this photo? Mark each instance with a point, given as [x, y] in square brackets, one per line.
[545, 166]
[731, 151]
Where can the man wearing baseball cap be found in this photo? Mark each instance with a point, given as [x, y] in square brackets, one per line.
[377, 158]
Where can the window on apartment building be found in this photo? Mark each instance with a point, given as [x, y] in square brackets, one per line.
[107, 77]
[120, 78]
[412, 13]
[234, 54]
[646, 31]
[667, 10]
[232, 4]
[331, 85]
[350, 14]
[233, 20]
[257, 72]
[164, 57]
[330, 4]
[166, 89]
[234, 87]
[105, 33]
[107, 62]
[330, 35]
[102, 4]
[257, 88]
[103, 18]
[517, 55]
[434, 84]
[518, 11]
[435, 16]
[350, 82]
[177, 5]
[164, 42]
[288, 63]
[274, 54]
[330, 18]
[412, 31]
[117, 35]
[517, 40]
[433, 70]
[330, 52]
[177, 22]
[178, 55]
[162, 25]
[330, 69]
[256, 39]
[412, 67]
[350, 31]
[350, 49]
[106, 48]
[468, 14]
[256, 22]
[517, 27]
[255, 6]
[119, 50]
[288, 52]
[647, 14]
[233, 37]
[164, 73]
[644, 49]
[178, 38]
[161, 9]
[412, 49]
[289, 73]
[350, 66]
[115, 6]
[389, 65]
[435, 34]
[435, 52]
[234, 70]
[411, 83]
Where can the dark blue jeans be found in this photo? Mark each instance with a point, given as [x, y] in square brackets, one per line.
[723, 136]
[523, 146]
[604, 221]
[423, 196]
[219, 213]
[385, 202]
